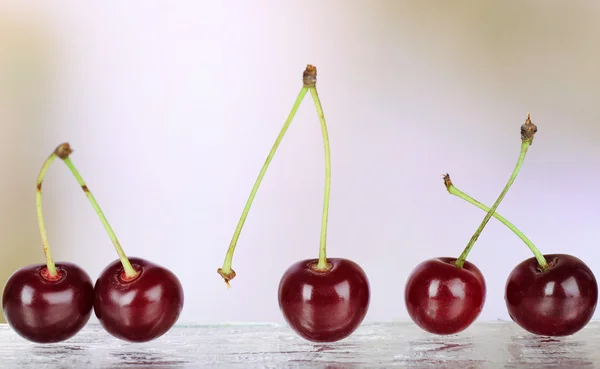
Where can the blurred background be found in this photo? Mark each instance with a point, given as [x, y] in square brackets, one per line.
[172, 108]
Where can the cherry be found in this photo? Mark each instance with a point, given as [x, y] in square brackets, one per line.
[52, 302]
[442, 298]
[323, 300]
[324, 307]
[134, 300]
[557, 301]
[550, 295]
[43, 309]
[138, 309]
[446, 295]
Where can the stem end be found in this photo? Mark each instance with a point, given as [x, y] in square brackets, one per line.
[63, 150]
[129, 272]
[129, 275]
[51, 275]
[309, 77]
[544, 264]
[447, 181]
[322, 266]
[528, 130]
[227, 276]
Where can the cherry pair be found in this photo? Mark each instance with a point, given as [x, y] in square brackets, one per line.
[133, 299]
[323, 299]
[550, 295]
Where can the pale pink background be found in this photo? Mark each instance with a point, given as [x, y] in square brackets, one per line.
[172, 107]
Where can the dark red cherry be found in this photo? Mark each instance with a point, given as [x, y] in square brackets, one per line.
[324, 306]
[46, 310]
[442, 298]
[556, 302]
[141, 309]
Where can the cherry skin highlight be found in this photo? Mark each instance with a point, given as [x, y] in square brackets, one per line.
[140, 309]
[324, 306]
[556, 302]
[442, 298]
[42, 309]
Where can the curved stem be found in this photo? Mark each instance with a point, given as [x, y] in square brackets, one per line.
[130, 273]
[323, 264]
[461, 260]
[226, 271]
[458, 193]
[528, 130]
[51, 267]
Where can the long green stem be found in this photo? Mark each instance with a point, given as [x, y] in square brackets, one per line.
[51, 267]
[527, 132]
[226, 271]
[130, 272]
[323, 264]
[458, 193]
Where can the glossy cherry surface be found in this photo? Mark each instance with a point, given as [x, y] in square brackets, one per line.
[442, 298]
[141, 309]
[43, 310]
[324, 306]
[557, 302]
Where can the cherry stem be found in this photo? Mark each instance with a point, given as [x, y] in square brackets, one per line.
[528, 130]
[458, 193]
[226, 271]
[323, 264]
[64, 153]
[51, 267]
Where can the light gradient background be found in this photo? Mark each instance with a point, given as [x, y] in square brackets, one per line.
[172, 108]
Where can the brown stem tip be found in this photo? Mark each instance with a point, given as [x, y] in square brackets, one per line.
[309, 77]
[226, 276]
[528, 130]
[447, 181]
[63, 151]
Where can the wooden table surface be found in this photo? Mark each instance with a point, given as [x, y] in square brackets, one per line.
[391, 345]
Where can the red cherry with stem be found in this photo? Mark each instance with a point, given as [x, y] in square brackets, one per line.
[52, 302]
[322, 300]
[556, 301]
[324, 307]
[446, 295]
[138, 309]
[134, 300]
[442, 298]
[555, 298]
